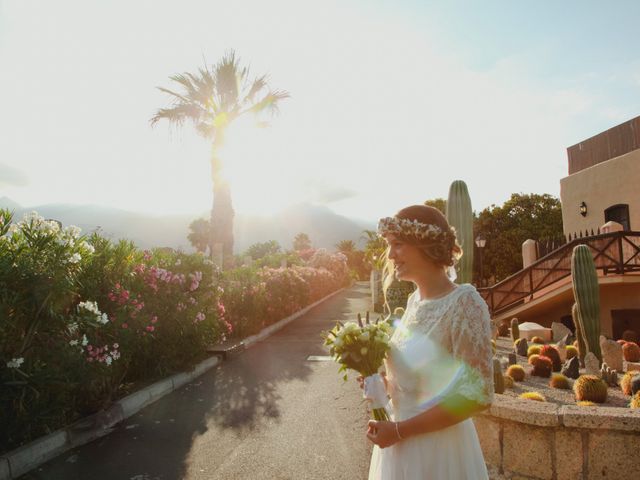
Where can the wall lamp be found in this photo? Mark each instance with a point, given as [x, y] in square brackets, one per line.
[583, 209]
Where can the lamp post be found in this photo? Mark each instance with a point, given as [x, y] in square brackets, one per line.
[480, 243]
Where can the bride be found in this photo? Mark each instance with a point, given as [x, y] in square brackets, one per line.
[439, 371]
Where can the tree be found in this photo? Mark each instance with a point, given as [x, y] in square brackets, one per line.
[346, 246]
[200, 234]
[505, 228]
[439, 203]
[301, 242]
[212, 99]
[263, 249]
[374, 250]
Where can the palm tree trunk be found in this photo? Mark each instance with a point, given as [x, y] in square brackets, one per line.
[222, 209]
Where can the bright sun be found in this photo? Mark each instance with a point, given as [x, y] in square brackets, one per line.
[258, 182]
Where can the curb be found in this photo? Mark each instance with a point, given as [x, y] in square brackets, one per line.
[271, 329]
[17, 462]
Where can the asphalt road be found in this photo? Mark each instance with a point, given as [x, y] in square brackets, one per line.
[267, 413]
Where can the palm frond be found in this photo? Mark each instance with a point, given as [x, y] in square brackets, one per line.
[256, 86]
[178, 114]
[226, 81]
[179, 97]
[269, 103]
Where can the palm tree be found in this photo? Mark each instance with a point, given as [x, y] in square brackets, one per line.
[211, 100]
[346, 246]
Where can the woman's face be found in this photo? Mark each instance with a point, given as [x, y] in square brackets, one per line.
[407, 258]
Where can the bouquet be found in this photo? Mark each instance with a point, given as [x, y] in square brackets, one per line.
[362, 347]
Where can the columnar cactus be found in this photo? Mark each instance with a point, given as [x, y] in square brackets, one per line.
[515, 329]
[587, 295]
[460, 216]
[591, 388]
[498, 380]
[579, 343]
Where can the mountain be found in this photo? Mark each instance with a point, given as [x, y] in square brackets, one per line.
[324, 227]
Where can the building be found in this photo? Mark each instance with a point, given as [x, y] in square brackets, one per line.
[600, 207]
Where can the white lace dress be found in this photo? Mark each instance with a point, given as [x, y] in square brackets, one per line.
[440, 347]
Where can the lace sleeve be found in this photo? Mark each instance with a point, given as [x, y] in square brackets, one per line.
[471, 345]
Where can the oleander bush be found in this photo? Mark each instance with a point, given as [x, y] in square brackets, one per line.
[84, 320]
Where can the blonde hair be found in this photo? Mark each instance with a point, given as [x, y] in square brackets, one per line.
[443, 251]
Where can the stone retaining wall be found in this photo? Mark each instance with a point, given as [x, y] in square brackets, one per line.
[525, 439]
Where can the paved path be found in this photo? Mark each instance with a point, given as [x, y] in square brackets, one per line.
[268, 413]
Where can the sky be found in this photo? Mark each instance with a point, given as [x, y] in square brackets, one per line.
[390, 101]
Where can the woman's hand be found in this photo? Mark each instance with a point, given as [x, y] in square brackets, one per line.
[382, 433]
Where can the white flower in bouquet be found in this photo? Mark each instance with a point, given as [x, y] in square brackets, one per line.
[363, 347]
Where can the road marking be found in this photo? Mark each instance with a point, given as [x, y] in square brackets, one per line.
[319, 358]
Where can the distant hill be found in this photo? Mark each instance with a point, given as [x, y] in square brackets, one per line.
[324, 227]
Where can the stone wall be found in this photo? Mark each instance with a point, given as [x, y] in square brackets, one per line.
[525, 439]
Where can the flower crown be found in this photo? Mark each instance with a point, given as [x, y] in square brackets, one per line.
[414, 228]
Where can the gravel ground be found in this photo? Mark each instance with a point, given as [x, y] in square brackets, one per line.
[615, 397]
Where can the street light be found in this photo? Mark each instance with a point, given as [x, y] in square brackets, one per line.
[480, 243]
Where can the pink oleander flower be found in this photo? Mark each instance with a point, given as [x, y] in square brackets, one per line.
[89, 347]
[200, 317]
[116, 346]
[146, 255]
[150, 328]
[124, 325]
[154, 319]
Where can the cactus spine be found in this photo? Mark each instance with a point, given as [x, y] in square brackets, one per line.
[515, 330]
[590, 388]
[460, 216]
[587, 295]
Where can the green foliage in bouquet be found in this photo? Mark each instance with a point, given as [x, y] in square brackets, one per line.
[362, 347]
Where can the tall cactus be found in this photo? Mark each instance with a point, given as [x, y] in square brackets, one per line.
[587, 296]
[582, 347]
[515, 329]
[460, 216]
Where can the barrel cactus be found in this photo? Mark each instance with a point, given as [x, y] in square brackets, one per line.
[538, 340]
[559, 381]
[587, 294]
[635, 401]
[591, 388]
[533, 350]
[516, 372]
[515, 329]
[508, 381]
[631, 352]
[625, 383]
[552, 354]
[460, 216]
[542, 367]
[571, 352]
[533, 396]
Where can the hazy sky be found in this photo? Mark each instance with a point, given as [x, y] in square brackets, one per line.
[390, 101]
